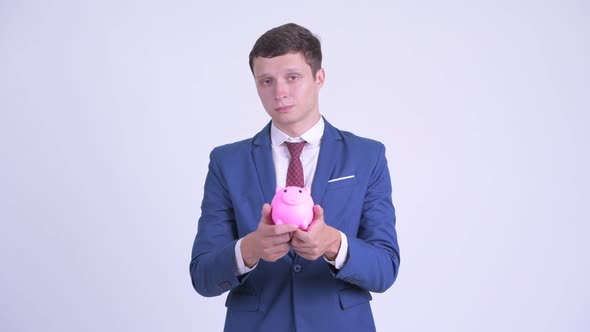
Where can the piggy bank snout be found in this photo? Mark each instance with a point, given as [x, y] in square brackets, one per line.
[293, 197]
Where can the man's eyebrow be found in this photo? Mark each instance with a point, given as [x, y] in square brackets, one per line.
[294, 70]
[261, 76]
[290, 70]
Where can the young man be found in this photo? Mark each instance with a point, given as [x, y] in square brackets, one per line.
[282, 278]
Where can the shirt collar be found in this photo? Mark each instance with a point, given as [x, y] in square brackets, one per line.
[313, 136]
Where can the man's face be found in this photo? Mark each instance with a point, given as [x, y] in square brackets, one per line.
[288, 91]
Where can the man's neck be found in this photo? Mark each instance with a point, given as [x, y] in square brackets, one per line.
[297, 130]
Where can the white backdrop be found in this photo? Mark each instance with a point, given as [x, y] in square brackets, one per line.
[109, 110]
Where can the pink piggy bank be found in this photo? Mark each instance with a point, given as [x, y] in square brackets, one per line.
[292, 205]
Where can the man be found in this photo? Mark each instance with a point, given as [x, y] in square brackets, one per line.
[282, 278]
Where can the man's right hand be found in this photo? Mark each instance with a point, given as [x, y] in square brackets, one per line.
[269, 241]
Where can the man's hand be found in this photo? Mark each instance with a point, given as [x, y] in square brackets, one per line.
[319, 239]
[269, 241]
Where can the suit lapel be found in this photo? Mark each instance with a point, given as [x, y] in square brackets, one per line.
[262, 156]
[326, 160]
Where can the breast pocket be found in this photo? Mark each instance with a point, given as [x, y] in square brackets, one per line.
[340, 183]
[341, 202]
[340, 192]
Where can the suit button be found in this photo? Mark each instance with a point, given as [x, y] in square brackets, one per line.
[297, 268]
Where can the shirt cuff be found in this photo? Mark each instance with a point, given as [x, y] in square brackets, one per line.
[241, 266]
[338, 263]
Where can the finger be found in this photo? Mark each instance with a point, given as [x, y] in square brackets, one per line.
[299, 245]
[301, 236]
[284, 228]
[273, 230]
[274, 242]
[275, 253]
[281, 239]
[306, 253]
[266, 214]
[318, 219]
[318, 212]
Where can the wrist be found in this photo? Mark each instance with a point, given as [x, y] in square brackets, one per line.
[248, 256]
[334, 246]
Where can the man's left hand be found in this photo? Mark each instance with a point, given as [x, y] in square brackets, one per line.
[319, 239]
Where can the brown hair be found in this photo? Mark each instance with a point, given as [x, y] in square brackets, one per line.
[288, 38]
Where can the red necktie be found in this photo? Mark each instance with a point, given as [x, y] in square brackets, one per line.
[295, 170]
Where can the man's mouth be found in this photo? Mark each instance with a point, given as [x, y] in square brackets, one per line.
[284, 109]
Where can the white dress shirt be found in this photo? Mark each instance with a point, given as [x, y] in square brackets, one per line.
[309, 161]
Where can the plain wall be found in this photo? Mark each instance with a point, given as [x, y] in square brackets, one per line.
[109, 109]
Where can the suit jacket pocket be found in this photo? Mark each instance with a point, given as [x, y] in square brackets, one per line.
[242, 302]
[341, 183]
[353, 296]
[341, 202]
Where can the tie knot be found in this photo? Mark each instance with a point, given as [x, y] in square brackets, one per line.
[295, 149]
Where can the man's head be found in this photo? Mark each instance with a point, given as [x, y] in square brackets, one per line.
[286, 64]
[288, 38]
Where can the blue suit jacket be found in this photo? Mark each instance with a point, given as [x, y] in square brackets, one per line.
[295, 294]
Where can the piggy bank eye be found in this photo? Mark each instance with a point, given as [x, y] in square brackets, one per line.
[300, 191]
[285, 190]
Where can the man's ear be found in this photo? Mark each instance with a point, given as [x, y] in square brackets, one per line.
[320, 77]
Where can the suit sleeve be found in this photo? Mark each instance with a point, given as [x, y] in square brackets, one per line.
[212, 267]
[373, 255]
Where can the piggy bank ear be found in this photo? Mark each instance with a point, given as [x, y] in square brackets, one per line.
[306, 190]
[278, 189]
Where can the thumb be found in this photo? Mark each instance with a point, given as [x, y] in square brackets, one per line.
[318, 212]
[266, 214]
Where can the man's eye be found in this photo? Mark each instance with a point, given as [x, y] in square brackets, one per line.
[265, 82]
[293, 77]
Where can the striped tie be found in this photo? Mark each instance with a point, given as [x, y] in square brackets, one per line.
[295, 170]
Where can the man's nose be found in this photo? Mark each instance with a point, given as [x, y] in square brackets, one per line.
[280, 90]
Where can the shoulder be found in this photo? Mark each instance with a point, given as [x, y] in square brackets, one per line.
[233, 147]
[366, 150]
[353, 142]
[359, 141]
[350, 139]
[232, 150]
[243, 148]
